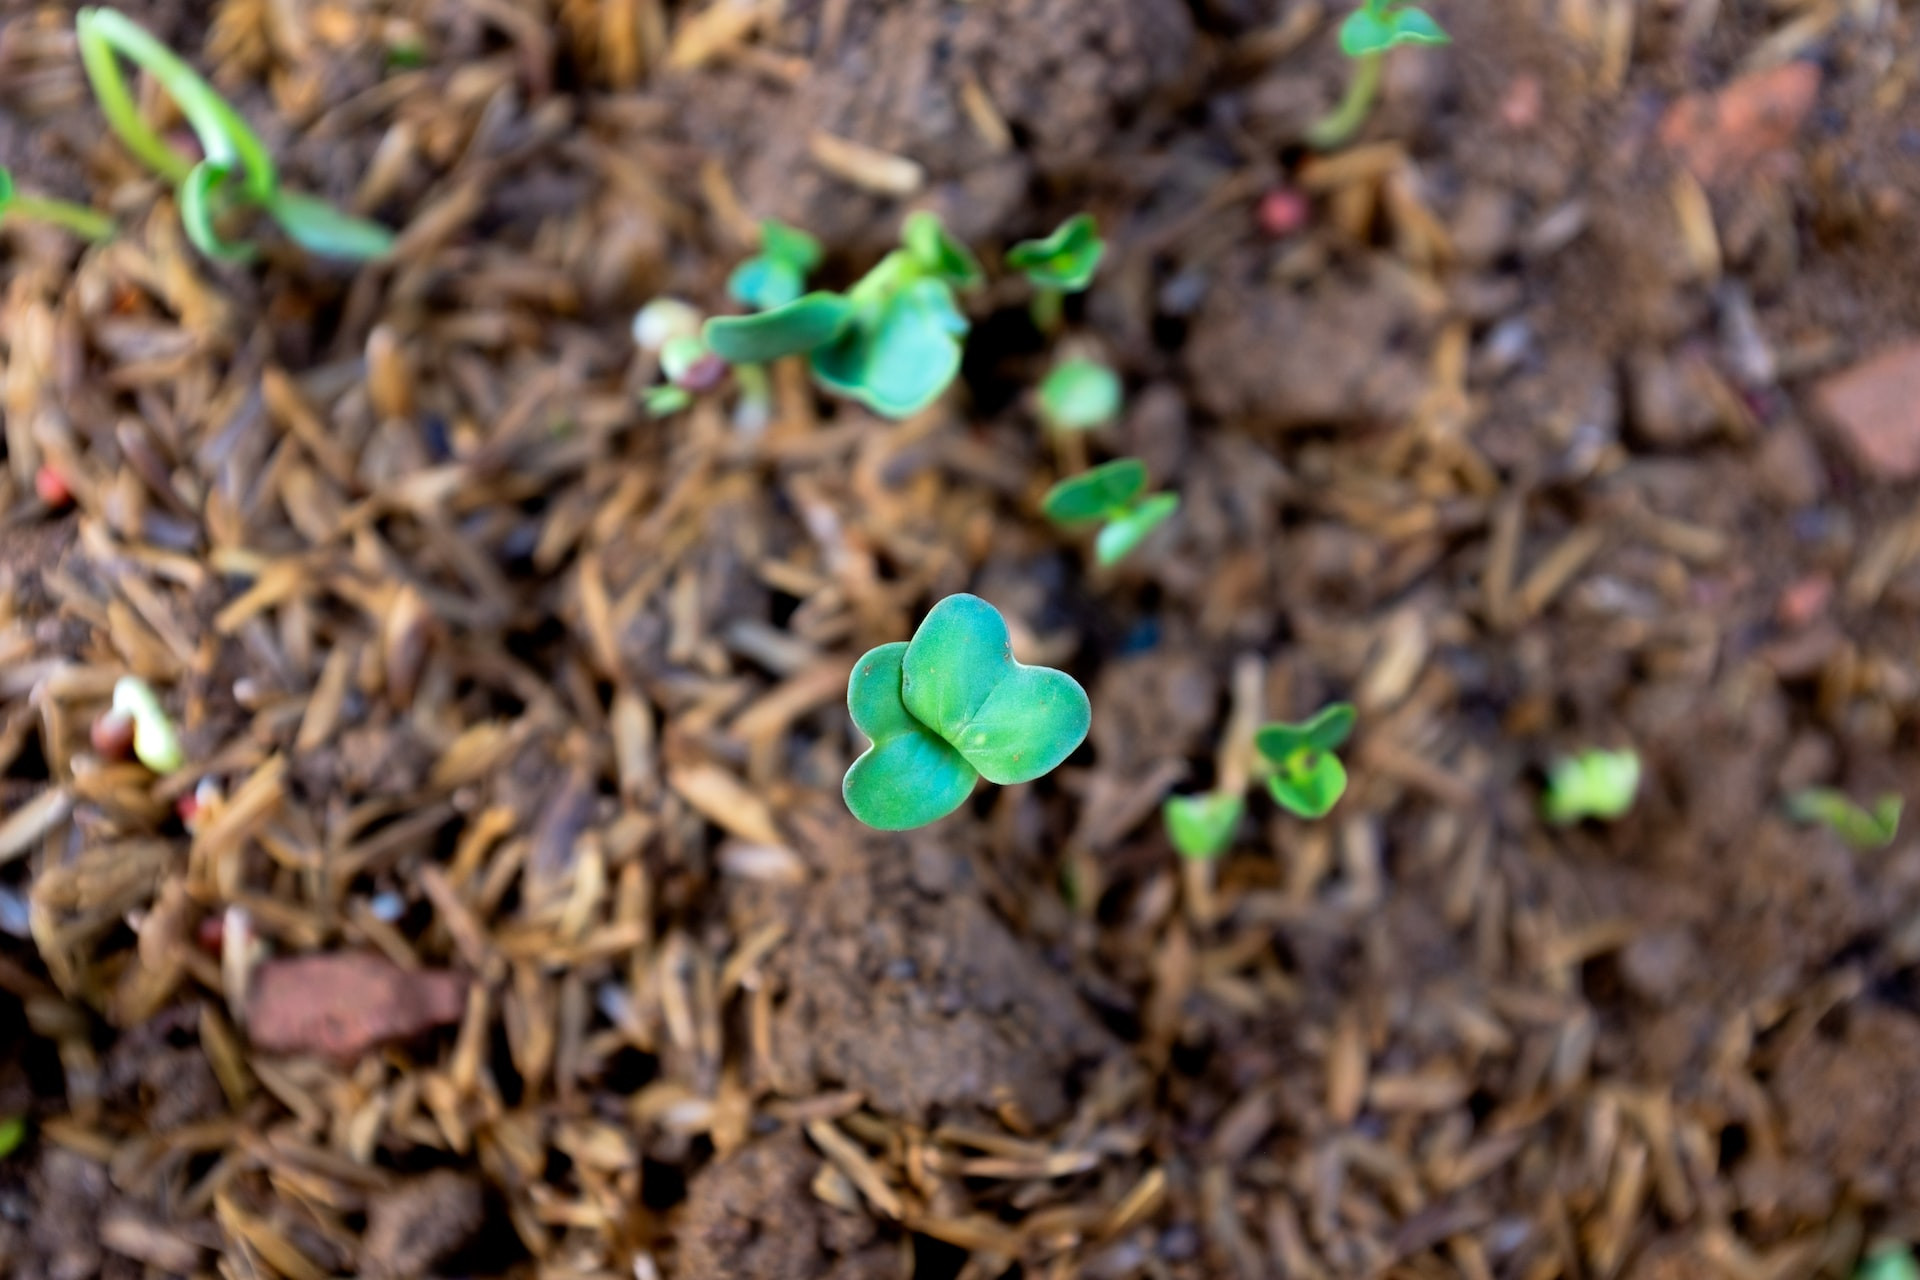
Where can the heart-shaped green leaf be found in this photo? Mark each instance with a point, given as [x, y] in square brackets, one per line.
[1012, 722]
[803, 325]
[1415, 26]
[1132, 527]
[1201, 827]
[319, 228]
[1079, 395]
[1309, 784]
[909, 776]
[938, 253]
[898, 363]
[1326, 730]
[1065, 260]
[1094, 493]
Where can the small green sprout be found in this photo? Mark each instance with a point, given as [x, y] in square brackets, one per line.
[1889, 1261]
[1079, 395]
[235, 170]
[1057, 265]
[89, 224]
[1593, 784]
[1113, 492]
[1365, 37]
[1201, 827]
[1835, 810]
[778, 273]
[155, 742]
[1305, 777]
[13, 1132]
[949, 707]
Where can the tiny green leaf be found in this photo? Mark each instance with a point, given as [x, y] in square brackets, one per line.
[319, 228]
[1415, 26]
[1065, 260]
[1012, 722]
[13, 1132]
[1309, 783]
[199, 198]
[1593, 784]
[765, 283]
[800, 326]
[155, 743]
[938, 253]
[790, 245]
[1132, 527]
[1365, 32]
[1835, 810]
[1326, 730]
[664, 401]
[909, 776]
[901, 362]
[1201, 827]
[1889, 1261]
[1097, 492]
[1079, 395]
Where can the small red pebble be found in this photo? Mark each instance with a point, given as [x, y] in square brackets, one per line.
[112, 735]
[1805, 600]
[1283, 211]
[1520, 105]
[211, 932]
[52, 487]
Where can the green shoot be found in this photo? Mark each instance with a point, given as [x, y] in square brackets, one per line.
[1305, 777]
[1112, 492]
[778, 273]
[235, 170]
[155, 742]
[1889, 1261]
[1369, 32]
[89, 224]
[13, 1132]
[1201, 827]
[1059, 264]
[937, 253]
[1835, 810]
[949, 707]
[1079, 395]
[1593, 784]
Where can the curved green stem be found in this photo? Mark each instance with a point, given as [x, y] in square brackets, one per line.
[1049, 307]
[89, 224]
[1344, 121]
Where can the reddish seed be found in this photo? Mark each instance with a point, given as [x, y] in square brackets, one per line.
[52, 487]
[112, 735]
[706, 373]
[1283, 211]
[211, 933]
[188, 807]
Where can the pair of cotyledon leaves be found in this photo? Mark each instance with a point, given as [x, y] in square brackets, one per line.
[1377, 26]
[949, 707]
[1111, 492]
[1305, 778]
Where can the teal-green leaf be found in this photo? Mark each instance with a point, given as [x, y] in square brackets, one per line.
[803, 325]
[1095, 492]
[1415, 26]
[1326, 730]
[1065, 260]
[1365, 32]
[319, 228]
[908, 777]
[1309, 784]
[1079, 395]
[1201, 827]
[902, 360]
[765, 283]
[1130, 528]
[1012, 722]
[790, 245]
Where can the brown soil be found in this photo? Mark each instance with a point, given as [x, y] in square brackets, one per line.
[535, 704]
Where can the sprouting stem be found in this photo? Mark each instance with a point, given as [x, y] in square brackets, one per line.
[89, 224]
[1049, 306]
[1344, 121]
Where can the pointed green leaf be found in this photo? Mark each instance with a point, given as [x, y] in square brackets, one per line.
[1201, 827]
[664, 401]
[1365, 32]
[1065, 260]
[904, 359]
[1079, 395]
[1309, 784]
[802, 325]
[1415, 26]
[938, 253]
[1129, 529]
[909, 776]
[790, 245]
[321, 229]
[13, 1132]
[1094, 493]
[1326, 730]
[1835, 810]
[1012, 722]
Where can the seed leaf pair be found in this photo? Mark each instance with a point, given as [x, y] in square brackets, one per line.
[1111, 492]
[1375, 27]
[1307, 778]
[778, 273]
[949, 707]
[1065, 260]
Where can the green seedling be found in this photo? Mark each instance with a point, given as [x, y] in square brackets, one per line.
[1593, 784]
[1367, 35]
[13, 1132]
[1890, 1261]
[155, 742]
[1079, 395]
[89, 224]
[949, 707]
[1835, 810]
[1114, 492]
[1057, 265]
[1201, 827]
[1305, 777]
[778, 273]
[234, 172]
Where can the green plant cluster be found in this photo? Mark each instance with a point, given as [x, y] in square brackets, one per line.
[949, 707]
[1367, 35]
[235, 171]
[1302, 773]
